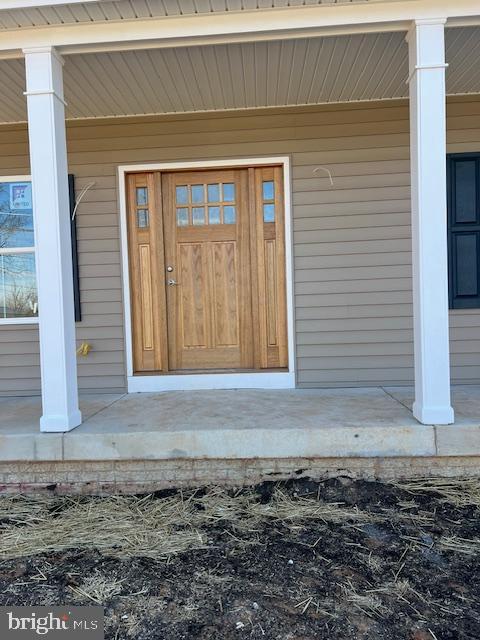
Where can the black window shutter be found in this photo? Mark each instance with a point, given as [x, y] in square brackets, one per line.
[73, 231]
[463, 178]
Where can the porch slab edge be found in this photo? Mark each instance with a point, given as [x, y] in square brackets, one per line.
[457, 440]
[31, 447]
[253, 443]
[231, 444]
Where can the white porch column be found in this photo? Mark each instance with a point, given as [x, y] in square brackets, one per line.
[429, 221]
[48, 160]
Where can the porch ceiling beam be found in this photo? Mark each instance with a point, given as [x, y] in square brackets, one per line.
[242, 26]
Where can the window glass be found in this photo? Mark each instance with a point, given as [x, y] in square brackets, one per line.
[182, 217]
[229, 215]
[18, 287]
[142, 196]
[182, 195]
[213, 192]
[198, 193]
[229, 192]
[268, 190]
[198, 215]
[269, 213]
[206, 204]
[268, 193]
[142, 218]
[16, 215]
[214, 215]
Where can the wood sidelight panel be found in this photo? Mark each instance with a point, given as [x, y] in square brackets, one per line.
[268, 237]
[145, 239]
[207, 249]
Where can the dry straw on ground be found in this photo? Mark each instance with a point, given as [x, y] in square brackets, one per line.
[159, 527]
[459, 492]
[98, 588]
[117, 526]
[459, 545]
[130, 526]
[366, 602]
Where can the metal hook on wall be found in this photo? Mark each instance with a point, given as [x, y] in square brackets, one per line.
[317, 169]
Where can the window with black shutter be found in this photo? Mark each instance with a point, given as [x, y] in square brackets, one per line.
[463, 179]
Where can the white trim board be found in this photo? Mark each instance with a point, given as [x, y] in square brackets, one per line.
[246, 25]
[23, 178]
[18, 321]
[185, 382]
[209, 381]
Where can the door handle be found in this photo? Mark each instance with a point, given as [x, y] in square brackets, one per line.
[171, 282]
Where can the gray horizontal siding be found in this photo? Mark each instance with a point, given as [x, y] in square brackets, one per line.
[352, 247]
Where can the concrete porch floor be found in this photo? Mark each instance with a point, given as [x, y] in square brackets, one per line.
[242, 424]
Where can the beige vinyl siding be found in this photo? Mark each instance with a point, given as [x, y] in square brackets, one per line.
[19, 360]
[463, 135]
[352, 247]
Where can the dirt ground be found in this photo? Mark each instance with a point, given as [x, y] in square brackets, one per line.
[301, 560]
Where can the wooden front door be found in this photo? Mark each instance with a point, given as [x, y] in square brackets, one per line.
[207, 270]
[207, 254]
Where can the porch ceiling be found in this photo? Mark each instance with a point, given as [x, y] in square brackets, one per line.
[243, 75]
[112, 10]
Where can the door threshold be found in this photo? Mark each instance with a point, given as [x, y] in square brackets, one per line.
[267, 379]
[203, 372]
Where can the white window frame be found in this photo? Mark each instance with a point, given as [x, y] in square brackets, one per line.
[15, 251]
[204, 381]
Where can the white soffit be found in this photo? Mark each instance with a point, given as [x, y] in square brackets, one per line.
[111, 10]
[241, 76]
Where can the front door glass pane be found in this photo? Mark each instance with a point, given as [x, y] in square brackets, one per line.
[182, 195]
[229, 215]
[198, 193]
[229, 192]
[198, 215]
[214, 215]
[213, 192]
[182, 217]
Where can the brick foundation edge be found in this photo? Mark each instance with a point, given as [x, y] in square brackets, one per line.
[144, 476]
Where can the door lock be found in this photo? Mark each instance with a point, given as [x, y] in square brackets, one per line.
[171, 282]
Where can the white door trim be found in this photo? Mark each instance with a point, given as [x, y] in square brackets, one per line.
[184, 382]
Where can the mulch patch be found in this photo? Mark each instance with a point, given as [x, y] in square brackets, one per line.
[406, 569]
